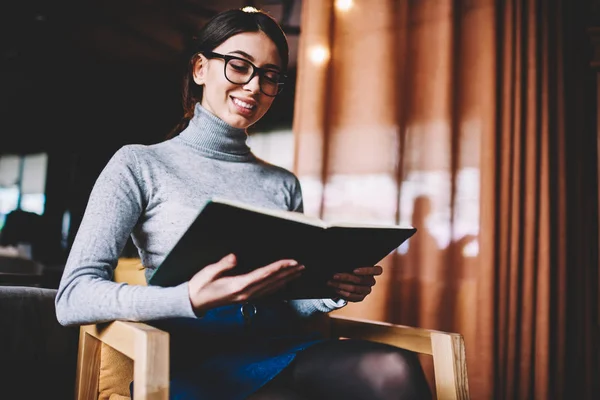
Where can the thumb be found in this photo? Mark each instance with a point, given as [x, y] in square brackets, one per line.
[224, 264]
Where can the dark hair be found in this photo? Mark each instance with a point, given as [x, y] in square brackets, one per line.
[217, 30]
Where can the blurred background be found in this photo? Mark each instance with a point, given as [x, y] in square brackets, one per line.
[473, 120]
[80, 79]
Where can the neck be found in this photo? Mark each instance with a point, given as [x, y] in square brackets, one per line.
[215, 138]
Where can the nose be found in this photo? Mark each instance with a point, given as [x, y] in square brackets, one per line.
[254, 84]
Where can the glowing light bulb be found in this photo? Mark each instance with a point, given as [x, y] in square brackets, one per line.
[319, 55]
[343, 5]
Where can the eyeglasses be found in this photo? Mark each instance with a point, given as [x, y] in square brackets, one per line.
[241, 71]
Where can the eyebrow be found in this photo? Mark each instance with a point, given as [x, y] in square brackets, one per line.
[249, 57]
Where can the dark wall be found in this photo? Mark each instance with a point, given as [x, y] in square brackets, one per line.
[124, 105]
[78, 81]
[95, 113]
[80, 121]
[80, 111]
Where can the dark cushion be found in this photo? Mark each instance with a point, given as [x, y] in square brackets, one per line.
[38, 355]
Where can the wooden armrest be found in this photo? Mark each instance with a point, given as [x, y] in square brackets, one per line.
[447, 349]
[147, 346]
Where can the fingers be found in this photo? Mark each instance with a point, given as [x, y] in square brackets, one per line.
[375, 270]
[283, 275]
[282, 270]
[353, 297]
[224, 264]
[350, 278]
[208, 290]
[268, 286]
[349, 288]
[265, 272]
[271, 286]
[357, 285]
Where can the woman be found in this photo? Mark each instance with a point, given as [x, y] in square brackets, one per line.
[226, 342]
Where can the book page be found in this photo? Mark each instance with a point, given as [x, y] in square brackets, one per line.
[289, 215]
[306, 219]
[346, 224]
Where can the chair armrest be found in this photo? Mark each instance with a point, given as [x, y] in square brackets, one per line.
[147, 346]
[447, 349]
[406, 337]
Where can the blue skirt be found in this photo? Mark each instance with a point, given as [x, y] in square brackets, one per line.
[233, 351]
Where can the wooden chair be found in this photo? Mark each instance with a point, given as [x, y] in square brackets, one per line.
[148, 349]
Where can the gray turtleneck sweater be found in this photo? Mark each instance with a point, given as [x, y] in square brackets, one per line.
[153, 193]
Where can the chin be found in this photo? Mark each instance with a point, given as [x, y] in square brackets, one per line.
[238, 122]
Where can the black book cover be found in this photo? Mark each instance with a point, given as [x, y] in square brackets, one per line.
[259, 237]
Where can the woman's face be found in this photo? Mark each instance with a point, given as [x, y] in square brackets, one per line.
[238, 105]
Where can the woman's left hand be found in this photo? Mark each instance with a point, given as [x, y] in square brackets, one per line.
[357, 285]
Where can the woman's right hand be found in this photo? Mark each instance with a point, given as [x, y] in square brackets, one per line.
[210, 289]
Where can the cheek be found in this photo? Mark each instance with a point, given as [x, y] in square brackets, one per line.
[267, 103]
[217, 85]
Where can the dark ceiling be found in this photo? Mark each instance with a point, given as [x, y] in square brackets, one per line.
[103, 72]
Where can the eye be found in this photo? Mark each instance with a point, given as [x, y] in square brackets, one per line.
[239, 66]
[272, 76]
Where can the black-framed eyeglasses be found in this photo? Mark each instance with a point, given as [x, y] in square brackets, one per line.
[240, 71]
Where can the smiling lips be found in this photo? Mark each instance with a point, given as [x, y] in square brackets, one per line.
[244, 107]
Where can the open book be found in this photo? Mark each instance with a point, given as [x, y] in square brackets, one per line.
[260, 236]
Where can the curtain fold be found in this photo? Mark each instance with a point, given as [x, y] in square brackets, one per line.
[471, 120]
[538, 240]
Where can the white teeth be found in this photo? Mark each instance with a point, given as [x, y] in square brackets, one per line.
[243, 104]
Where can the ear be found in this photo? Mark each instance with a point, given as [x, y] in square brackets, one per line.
[199, 66]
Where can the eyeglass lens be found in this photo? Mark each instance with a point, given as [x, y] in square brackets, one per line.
[240, 72]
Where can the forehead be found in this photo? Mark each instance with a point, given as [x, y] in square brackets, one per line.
[256, 44]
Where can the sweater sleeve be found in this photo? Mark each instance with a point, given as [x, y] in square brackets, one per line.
[308, 307]
[86, 292]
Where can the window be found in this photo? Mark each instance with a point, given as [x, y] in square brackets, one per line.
[22, 183]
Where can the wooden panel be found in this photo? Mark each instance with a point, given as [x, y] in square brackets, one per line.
[122, 335]
[146, 345]
[88, 367]
[450, 366]
[151, 367]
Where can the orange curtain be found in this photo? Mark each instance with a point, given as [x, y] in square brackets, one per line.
[457, 117]
[539, 238]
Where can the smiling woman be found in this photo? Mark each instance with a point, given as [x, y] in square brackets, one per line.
[239, 92]
[228, 339]
[255, 51]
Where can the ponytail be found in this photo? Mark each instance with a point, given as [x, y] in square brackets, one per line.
[177, 129]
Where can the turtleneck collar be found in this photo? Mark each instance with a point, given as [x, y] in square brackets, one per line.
[214, 138]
